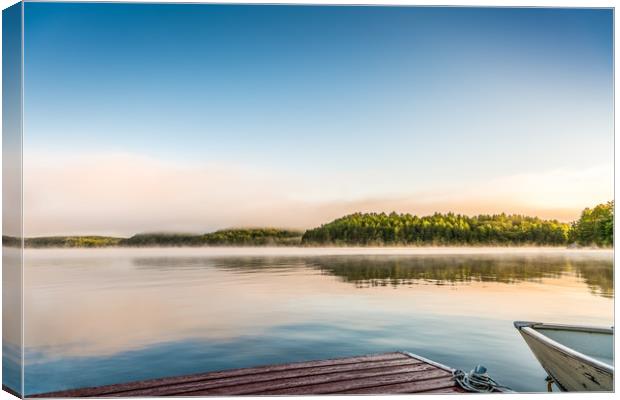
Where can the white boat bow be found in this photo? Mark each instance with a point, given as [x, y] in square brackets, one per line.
[577, 358]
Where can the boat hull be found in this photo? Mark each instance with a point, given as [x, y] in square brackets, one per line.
[571, 371]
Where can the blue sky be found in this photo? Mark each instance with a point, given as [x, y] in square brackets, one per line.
[383, 102]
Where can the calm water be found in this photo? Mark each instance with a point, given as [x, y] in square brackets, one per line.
[96, 317]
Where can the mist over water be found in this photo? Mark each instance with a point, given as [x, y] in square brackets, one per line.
[115, 315]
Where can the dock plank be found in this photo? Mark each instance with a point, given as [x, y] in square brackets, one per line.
[452, 389]
[266, 378]
[353, 385]
[105, 390]
[385, 373]
[303, 383]
[414, 386]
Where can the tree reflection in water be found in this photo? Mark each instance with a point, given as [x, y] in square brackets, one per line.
[405, 270]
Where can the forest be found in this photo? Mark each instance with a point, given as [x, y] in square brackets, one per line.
[224, 237]
[594, 228]
[379, 229]
[71, 241]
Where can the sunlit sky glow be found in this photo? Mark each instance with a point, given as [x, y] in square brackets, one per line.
[191, 118]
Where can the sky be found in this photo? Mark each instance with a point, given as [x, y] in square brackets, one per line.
[170, 117]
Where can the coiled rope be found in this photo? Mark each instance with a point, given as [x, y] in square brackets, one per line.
[477, 380]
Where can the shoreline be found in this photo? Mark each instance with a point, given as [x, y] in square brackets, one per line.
[325, 251]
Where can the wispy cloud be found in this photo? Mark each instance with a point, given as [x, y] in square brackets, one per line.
[127, 193]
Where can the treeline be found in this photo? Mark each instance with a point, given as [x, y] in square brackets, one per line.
[71, 241]
[62, 241]
[438, 229]
[225, 237]
[596, 226]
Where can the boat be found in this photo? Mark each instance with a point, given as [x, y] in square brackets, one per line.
[576, 358]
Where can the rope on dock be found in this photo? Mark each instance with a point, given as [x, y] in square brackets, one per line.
[477, 380]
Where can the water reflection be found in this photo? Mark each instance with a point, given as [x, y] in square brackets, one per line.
[370, 271]
[98, 317]
[364, 272]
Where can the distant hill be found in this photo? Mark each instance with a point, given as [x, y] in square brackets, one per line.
[594, 228]
[438, 229]
[69, 241]
[225, 237]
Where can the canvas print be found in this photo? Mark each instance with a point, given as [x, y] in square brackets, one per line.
[234, 199]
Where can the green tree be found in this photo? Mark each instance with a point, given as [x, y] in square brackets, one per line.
[438, 229]
[595, 227]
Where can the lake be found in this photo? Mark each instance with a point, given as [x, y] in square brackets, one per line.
[101, 316]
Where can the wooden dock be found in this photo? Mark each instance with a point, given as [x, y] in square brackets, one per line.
[387, 373]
